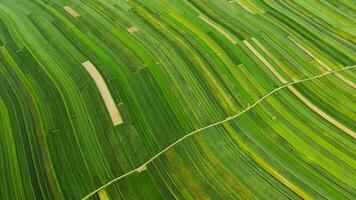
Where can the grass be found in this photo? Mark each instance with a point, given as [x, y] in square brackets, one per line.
[213, 99]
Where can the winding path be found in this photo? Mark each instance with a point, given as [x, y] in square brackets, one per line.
[143, 166]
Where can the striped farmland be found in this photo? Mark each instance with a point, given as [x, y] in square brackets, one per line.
[177, 99]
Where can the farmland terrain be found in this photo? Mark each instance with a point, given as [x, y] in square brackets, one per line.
[177, 99]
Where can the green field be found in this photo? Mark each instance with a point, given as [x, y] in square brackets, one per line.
[177, 99]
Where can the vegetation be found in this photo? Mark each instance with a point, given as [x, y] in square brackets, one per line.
[177, 99]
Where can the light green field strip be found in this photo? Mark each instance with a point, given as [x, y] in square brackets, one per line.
[287, 85]
[299, 95]
[339, 45]
[265, 62]
[268, 168]
[346, 80]
[103, 195]
[232, 40]
[321, 113]
[105, 93]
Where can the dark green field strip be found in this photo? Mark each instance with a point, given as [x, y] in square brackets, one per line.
[28, 147]
[8, 149]
[175, 68]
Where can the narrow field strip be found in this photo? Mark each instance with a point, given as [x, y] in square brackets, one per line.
[321, 113]
[265, 62]
[143, 166]
[299, 95]
[132, 29]
[105, 93]
[247, 6]
[103, 195]
[321, 63]
[225, 34]
[71, 11]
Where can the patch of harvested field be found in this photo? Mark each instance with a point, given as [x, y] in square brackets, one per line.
[71, 11]
[132, 29]
[105, 93]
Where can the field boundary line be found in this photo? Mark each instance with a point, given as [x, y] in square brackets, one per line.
[139, 168]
